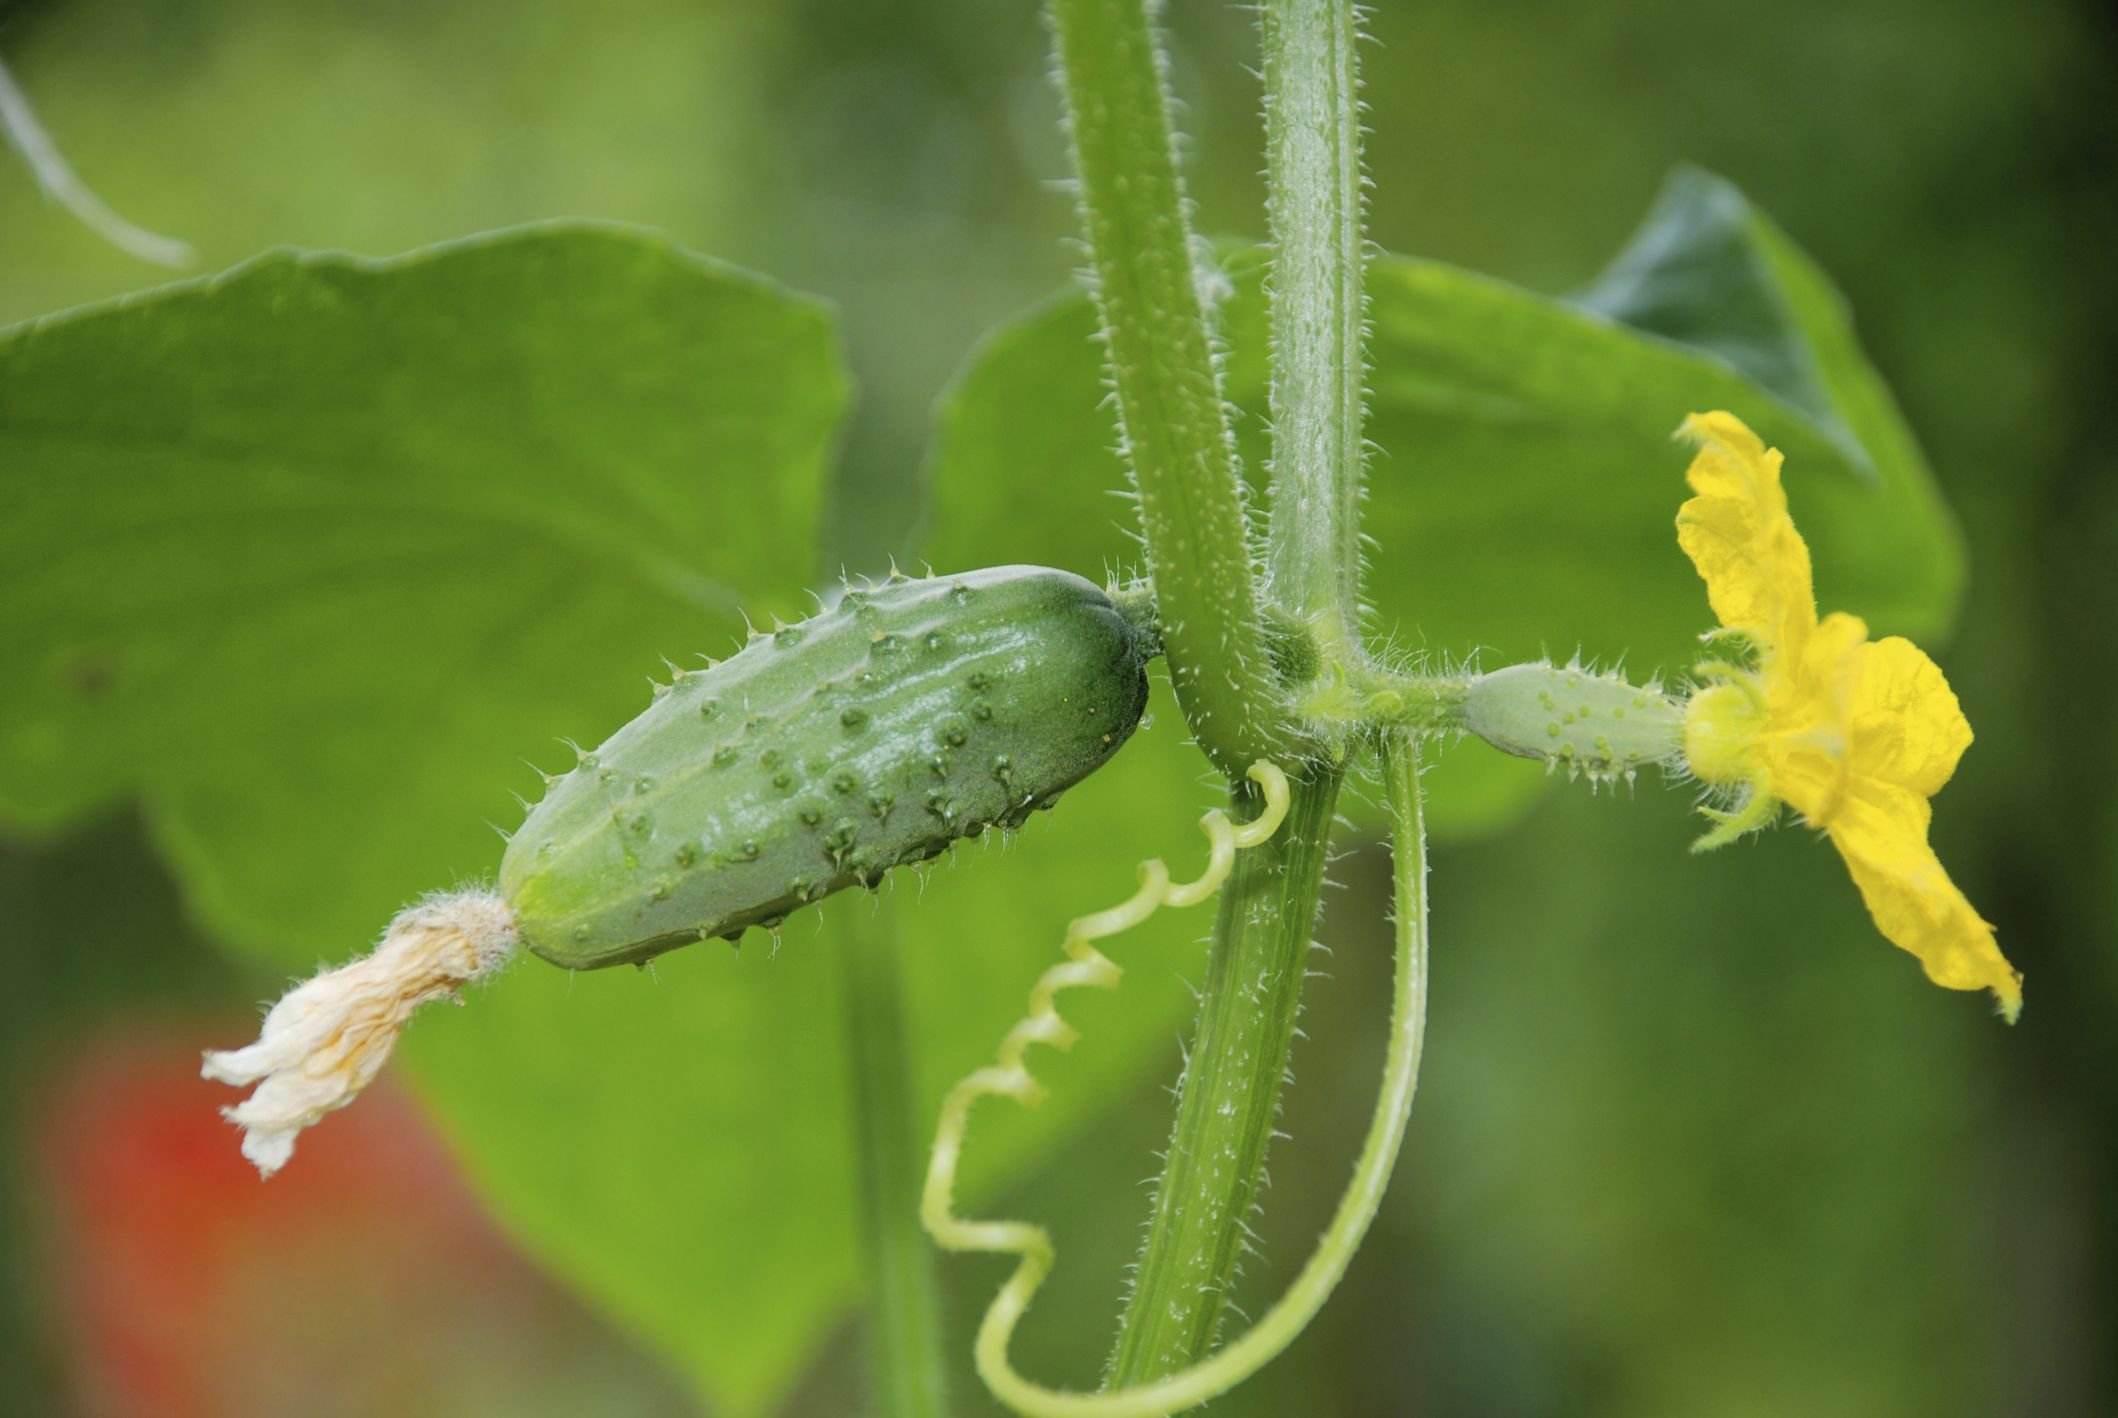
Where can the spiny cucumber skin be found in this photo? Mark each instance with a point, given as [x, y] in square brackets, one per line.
[1566, 715]
[872, 735]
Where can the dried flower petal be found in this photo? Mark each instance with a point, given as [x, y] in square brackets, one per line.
[328, 1037]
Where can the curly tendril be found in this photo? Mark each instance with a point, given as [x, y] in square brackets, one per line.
[1009, 1077]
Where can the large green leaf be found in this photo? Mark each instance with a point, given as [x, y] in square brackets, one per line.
[323, 532]
[1524, 486]
[309, 556]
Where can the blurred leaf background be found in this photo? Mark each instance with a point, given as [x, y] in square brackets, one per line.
[1692, 1139]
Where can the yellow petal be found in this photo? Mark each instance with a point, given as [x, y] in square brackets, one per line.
[1739, 536]
[1906, 725]
[1881, 831]
[1810, 731]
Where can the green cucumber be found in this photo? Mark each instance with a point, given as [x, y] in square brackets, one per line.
[871, 735]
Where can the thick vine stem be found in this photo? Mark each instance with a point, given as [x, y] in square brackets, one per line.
[1229, 1098]
[1190, 1386]
[904, 1329]
[1314, 192]
[1162, 367]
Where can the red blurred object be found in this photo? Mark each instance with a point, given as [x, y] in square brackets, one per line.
[363, 1279]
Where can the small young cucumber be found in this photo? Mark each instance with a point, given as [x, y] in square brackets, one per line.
[871, 735]
[1596, 725]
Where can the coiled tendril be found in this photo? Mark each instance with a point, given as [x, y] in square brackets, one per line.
[1084, 965]
[1009, 1077]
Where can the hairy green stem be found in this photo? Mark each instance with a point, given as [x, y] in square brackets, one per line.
[904, 1327]
[1348, 698]
[1313, 185]
[1171, 415]
[1230, 1093]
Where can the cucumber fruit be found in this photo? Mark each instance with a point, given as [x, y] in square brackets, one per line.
[874, 734]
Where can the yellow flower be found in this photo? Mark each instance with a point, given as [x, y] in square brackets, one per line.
[1855, 735]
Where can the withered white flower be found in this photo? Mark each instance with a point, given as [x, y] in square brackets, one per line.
[327, 1038]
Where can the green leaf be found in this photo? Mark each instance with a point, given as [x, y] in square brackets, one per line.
[359, 534]
[310, 555]
[1524, 487]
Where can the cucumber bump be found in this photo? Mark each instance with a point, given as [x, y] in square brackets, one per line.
[874, 734]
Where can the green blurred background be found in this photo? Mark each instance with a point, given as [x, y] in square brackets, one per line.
[1691, 1140]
